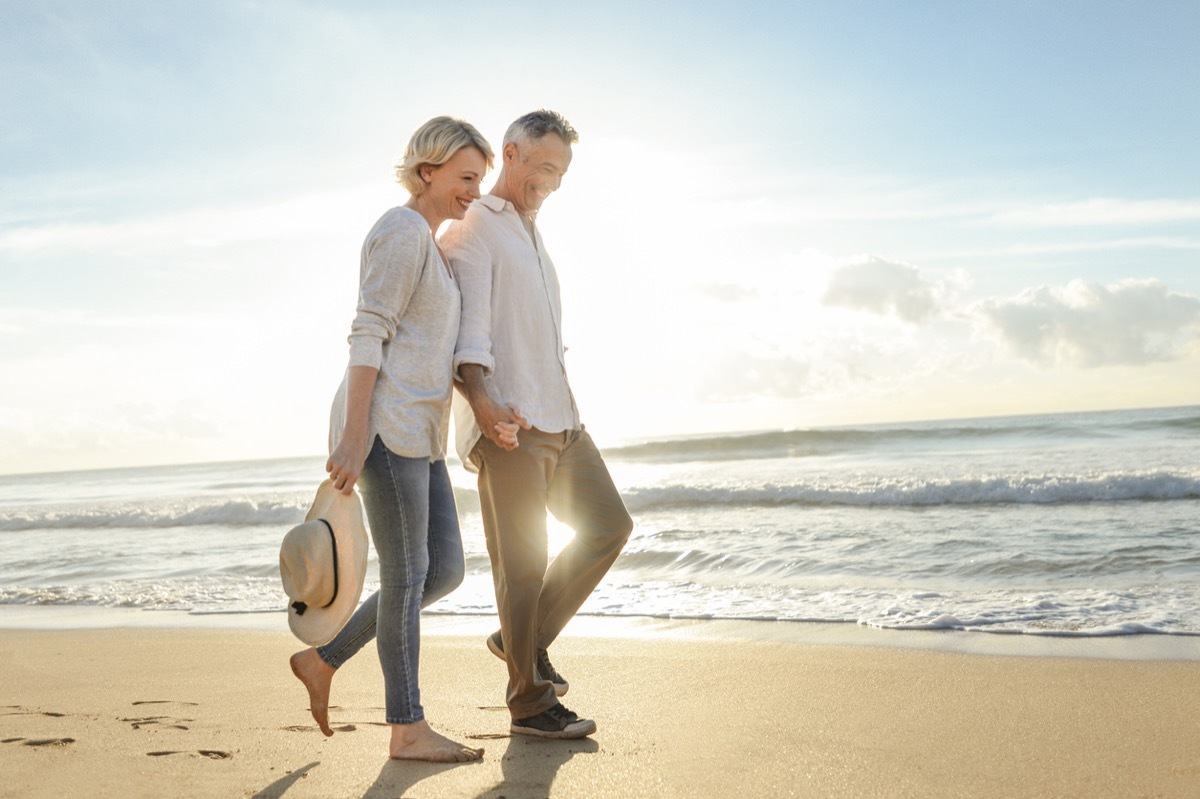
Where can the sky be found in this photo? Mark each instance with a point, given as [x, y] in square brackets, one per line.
[779, 215]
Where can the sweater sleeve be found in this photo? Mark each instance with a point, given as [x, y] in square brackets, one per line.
[393, 257]
[471, 263]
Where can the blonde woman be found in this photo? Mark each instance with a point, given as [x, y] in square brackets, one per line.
[388, 432]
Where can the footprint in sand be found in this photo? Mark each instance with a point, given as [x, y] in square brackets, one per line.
[211, 754]
[311, 727]
[169, 722]
[162, 721]
[17, 710]
[164, 702]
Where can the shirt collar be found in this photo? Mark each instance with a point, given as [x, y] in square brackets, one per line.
[494, 203]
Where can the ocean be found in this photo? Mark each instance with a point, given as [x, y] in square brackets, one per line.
[1080, 524]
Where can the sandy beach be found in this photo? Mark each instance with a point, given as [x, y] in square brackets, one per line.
[216, 713]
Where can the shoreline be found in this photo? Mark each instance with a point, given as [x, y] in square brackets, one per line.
[1131, 646]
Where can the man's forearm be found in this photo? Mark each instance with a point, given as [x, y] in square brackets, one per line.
[473, 382]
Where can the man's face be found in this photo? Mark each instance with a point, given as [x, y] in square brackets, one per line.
[537, 168]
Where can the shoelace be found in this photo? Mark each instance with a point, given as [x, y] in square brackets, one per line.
[560, 712]
[546, 669]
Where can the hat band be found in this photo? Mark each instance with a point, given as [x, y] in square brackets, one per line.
[302, 606]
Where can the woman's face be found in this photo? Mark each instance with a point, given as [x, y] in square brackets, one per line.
[452, 187]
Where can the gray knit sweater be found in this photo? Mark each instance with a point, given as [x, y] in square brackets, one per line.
[406, 327]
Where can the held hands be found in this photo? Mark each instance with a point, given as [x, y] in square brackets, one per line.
[506, 434]
[500, 423]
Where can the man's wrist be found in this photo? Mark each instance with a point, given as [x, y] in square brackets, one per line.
[474, 386]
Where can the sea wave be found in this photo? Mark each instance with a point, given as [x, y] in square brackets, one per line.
[1081, 612]
[1003, 489]
[193, 594]
[826, 441]
[719, 562]
[235, 512]
[1153, 486]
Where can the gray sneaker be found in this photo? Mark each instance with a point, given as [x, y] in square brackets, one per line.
[554, 722]
[546, 670]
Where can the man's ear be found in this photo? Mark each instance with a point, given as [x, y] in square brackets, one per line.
[510, 153]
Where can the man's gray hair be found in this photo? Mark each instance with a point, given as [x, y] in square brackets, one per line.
[537, 124]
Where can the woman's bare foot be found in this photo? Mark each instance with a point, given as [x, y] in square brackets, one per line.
[317, 675]
[419, 742]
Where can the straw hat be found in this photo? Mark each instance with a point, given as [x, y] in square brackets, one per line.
[322, 563]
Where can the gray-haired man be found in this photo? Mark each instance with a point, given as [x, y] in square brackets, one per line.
[518, 425]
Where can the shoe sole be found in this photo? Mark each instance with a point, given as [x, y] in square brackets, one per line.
[580, 729]
[560, 688]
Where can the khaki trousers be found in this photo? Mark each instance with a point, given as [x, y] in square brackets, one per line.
[562, 472]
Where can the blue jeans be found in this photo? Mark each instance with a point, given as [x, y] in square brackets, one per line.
[414, 524]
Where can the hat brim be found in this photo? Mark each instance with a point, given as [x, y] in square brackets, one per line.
[345, 516]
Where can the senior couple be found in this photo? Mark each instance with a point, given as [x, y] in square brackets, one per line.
[477, 309]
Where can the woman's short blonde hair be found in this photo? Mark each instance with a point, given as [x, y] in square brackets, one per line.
[435, 143]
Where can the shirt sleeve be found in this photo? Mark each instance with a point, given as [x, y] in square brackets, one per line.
[393, 257]
[471, 263]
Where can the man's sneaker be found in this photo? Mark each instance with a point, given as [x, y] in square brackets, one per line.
[554, 722]
[546, 670]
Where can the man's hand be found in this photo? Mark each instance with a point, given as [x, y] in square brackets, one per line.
[500, 423]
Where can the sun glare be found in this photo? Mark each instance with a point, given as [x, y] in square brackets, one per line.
[558, 535]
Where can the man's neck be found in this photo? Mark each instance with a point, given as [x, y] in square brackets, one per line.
[528, 218]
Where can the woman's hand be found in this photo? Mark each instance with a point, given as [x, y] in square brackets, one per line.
[506, 432]
[346, 462]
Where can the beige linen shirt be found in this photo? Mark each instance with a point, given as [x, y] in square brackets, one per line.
[511, 320]
[406, 327]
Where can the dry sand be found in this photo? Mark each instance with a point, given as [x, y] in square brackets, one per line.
[217, 713]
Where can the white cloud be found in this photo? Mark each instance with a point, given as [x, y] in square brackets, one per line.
[739, 375]
[1101, 211]
[288, 219]
[1084, 324]
[1145, 244]
[885, 287]
[726, 292]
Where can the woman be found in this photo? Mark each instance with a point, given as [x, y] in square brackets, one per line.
[388, 431]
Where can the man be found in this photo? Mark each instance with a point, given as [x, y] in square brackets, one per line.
[519, 428]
